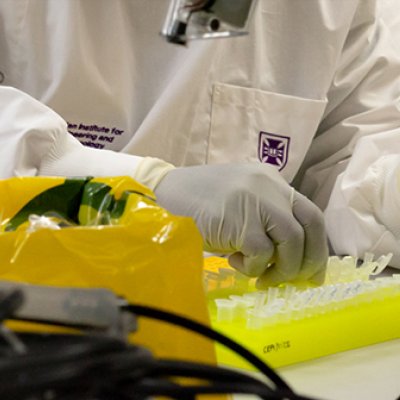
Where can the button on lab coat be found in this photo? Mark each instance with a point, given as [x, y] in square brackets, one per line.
[311, 90]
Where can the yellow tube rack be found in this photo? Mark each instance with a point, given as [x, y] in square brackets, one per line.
[295, 340]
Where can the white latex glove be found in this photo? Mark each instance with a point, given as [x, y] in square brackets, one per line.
[250, 212]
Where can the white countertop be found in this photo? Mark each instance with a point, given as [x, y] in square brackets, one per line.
[369, 373]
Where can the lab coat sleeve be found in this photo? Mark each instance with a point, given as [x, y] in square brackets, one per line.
[34, 141]
[353, 168]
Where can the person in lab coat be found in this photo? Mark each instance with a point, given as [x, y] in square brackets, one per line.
[252, 136]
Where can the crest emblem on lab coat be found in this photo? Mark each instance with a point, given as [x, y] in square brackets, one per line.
[273, 149]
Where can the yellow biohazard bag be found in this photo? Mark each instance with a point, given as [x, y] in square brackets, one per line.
[109, 233]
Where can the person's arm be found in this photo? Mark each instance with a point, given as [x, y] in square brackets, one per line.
[34, 141]
[248, 211]
[352, 168]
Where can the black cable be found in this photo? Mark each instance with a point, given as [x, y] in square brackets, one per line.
[177, 368]
[100, 367]
[75, 360]
[119, 372]
[204, 330]
[10, 301]
[216, 377]
[13, 300]
[153, 387]
[61, 348]
[126, 366]
[213, 374]
[199, 370]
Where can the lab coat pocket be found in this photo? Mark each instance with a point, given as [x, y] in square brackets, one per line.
[249, 125]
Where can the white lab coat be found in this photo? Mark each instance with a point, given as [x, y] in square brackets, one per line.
[313, 83]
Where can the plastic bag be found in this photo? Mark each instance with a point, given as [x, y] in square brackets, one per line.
[112, 235]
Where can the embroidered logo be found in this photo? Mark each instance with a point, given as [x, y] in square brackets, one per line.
[273, 149]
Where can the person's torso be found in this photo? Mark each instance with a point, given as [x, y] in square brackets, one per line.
[103, 66]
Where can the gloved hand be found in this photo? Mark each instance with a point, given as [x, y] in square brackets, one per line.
[250, 212]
